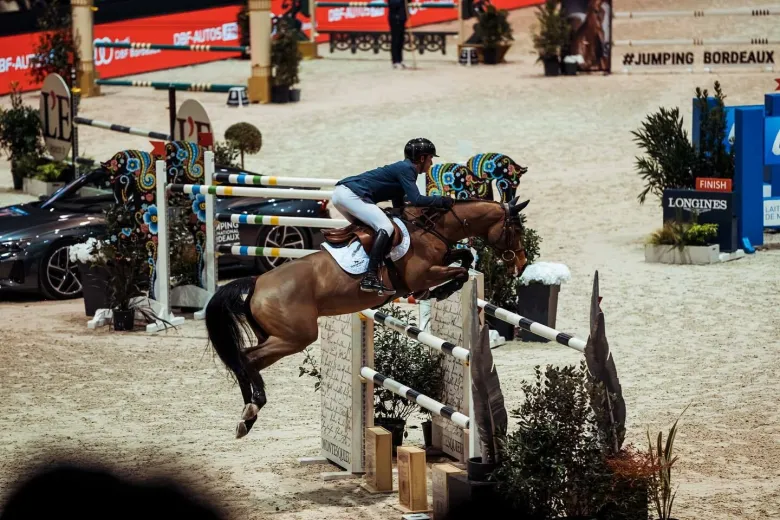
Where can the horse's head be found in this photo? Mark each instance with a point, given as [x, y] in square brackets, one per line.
[506, 237]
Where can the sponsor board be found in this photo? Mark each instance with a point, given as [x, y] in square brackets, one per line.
[717, 57]
[191, 120]
[707, 208]
[54, 111]
[226, 232]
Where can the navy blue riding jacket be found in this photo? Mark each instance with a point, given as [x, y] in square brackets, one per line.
[391, 182]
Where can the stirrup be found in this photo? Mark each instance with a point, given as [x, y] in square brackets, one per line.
[373, 283]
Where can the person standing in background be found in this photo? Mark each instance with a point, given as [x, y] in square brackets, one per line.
[396, 17]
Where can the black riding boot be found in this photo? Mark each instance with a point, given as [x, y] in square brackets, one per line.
[371, 282]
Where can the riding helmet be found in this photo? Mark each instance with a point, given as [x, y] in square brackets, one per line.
[418, 147]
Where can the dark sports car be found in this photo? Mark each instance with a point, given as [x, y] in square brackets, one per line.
[34, 237]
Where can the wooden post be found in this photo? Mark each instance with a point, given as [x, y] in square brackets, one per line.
[379, 460]
[81, 12]
[259, 84]
[440, 489]
[308, 49]
[412, 480]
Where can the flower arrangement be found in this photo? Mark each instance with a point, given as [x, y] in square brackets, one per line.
[88, 252]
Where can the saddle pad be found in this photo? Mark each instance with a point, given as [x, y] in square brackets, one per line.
[354, 259]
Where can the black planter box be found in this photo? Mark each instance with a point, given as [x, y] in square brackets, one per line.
[570, 69]
[94, 287]
[280, 94]
[537, 302]
[552, 66]
[295, 95]
[489, 55]
[124, 320]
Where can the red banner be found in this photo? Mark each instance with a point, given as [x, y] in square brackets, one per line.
[205, 27]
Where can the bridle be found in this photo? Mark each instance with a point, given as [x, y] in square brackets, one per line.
[508, 230]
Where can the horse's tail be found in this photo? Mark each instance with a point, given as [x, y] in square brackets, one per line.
[227, 314]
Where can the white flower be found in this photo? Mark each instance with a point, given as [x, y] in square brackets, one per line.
[574, 58]
[85, 251]
[547, 273]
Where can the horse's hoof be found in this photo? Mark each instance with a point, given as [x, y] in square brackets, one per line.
[250, 412]
[241, 430]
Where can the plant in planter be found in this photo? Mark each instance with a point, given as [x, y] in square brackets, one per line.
[661, 481]
[494, 31]
[48, 178]
[127, 263]
[670, 160]
[246, 138]
[93, 274]
[554, 464]
[552, 35]
[20, 137]
[401, 358]
[285, 61]
[680, 242]
[226, 154]
[243, 29]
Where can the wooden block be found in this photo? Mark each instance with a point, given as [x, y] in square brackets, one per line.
[379, 460]
[441, 498]
[412, 480]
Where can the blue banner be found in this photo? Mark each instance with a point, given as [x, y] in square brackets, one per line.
[772, 141]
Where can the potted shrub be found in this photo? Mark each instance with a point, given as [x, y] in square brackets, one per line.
[493, 31]
[285, 60]
[93, 274]
[401, 358]
[48, 178]
[554, 464]
[243, 29]
[225, 154]
[127, 263]
[20, 137]
[537, 295]
[683, 243]
[55, 51]
[246, 138]
[552, 35]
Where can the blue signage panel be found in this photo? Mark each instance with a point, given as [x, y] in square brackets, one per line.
[772, 141]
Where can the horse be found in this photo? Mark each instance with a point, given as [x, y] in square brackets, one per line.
[281, 307]
[589, 39]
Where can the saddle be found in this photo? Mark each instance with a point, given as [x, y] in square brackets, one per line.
[343, 237]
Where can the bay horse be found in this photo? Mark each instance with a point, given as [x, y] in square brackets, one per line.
[281, 306]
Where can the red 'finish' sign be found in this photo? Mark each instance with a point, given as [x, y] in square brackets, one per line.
[713, 184]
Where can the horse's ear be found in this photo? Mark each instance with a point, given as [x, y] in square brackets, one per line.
[520, 207]
[514, 201]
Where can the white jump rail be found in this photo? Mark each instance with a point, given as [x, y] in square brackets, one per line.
[532, 326]
[426, 338]
[424, 401]
[273, 252]
[699, 13]
[243, 191]
[695, 42]
[270, 220]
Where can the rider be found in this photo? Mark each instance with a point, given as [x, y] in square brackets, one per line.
[358, 195]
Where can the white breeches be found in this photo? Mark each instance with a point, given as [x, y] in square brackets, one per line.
[352, 207]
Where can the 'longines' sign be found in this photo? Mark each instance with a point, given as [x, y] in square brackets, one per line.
[709, 208]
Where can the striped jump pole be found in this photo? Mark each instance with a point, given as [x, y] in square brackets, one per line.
[698, 13]
[413, 395]
[426, 338]
[532, 326]
[267, 220]
[195, 87]
[121, 128]
[169, 47]
[270, 180]
[696, 42]
[273, 252]
[241, 191]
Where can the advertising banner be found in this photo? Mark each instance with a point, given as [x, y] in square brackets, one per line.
[591, 23]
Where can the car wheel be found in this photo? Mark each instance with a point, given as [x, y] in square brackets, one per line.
[289, 237]
[59, 278]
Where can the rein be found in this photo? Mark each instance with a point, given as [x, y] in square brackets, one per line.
[428, 224]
